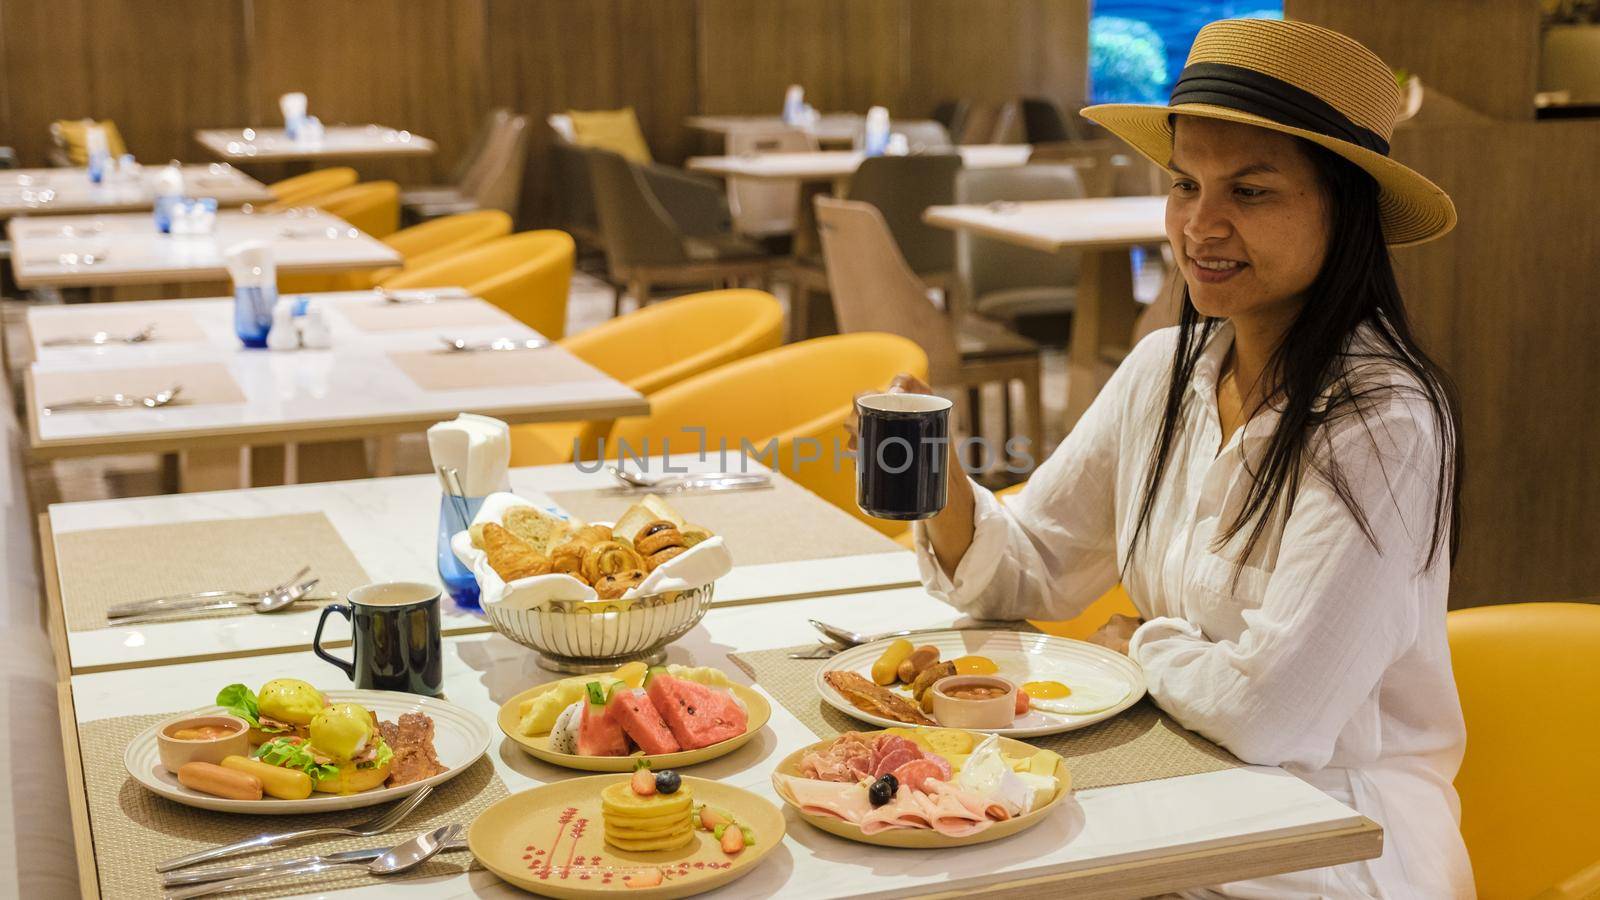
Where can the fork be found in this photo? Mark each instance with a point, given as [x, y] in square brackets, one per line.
[462, 345]
[178, 601]
[273, 602]
[100, 338]
[118, 401]
[377, 826]
[852, 639]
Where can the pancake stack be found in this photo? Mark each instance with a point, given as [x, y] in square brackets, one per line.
[641, 824]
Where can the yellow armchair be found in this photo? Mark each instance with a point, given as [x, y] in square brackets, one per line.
[529, 275]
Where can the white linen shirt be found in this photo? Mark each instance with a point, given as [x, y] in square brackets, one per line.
[1325, 655]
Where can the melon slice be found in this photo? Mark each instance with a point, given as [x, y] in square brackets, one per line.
[641, 721]
[698, 716]
[598, 734]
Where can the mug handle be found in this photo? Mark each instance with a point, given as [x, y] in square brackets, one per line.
[316, 640]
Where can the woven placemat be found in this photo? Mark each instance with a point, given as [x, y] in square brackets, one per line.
[201, 383]
[134, 828]
[102, 568]
[1141, 744]
[784, 523]
[382, 315]
[445, 370]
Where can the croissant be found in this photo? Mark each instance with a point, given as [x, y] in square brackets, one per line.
[658, 542]
[510, 556]
[612, 586]
[609, 558]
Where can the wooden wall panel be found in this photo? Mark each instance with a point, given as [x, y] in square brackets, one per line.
[1484, 53]
[416, 64]
[154, 68]
[549, 56]
[848, 54]
[998, 50]
[1507, 301]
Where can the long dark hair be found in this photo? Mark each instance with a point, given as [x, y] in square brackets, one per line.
[1355, 287]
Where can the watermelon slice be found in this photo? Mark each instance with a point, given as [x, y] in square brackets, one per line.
[634, 711]
[598, 735]
[698, 716]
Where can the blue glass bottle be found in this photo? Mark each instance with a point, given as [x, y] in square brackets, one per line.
[458, 580]
[252, 313]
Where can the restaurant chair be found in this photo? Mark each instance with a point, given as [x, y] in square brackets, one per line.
[432, 241]
[647, 247]
[529, 275]
[494, 181]
[1529, 679]
[291, 191]
[991, 123]
[764, 208]
[70, 142]
[924, 136]
[902, 188]
[1043, 123]
[650, 349]
[874, 290]
[372, 206]
[455, 187]
[1031, 290]
[8, 158]
[951, 114]
[787, 404]
[615, 130]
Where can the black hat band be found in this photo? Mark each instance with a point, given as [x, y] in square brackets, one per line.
[1249, 91]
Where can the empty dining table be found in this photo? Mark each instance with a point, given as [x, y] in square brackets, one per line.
[387, 372]
[1104, 229]
[33, 192]
[262, 145]
[127, 248]
[836, 166]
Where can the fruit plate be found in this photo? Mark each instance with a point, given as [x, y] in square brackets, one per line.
[755, 704]
[459, 739]
[551, 841]
[1091, 670]
[927, 838]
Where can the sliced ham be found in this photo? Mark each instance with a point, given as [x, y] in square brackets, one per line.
[826, 798]
[849, 758]
[953, 814]
[908, 809]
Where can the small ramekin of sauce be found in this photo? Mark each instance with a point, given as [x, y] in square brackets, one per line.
[202, 739]
[974, 701]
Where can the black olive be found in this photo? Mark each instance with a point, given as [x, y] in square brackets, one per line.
[667, 782]
[880, 793]
[893, 782]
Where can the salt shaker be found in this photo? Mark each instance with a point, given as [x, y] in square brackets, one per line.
[283, 335]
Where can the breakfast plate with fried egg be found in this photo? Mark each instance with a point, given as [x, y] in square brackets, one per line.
[1005, 682]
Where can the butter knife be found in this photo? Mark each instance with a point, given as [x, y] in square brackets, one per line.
[218, 873]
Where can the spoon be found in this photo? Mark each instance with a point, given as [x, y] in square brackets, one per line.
[462, 345]
[277, 599]
[400, 858]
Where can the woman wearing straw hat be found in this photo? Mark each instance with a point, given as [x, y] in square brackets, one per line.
[1274, 480]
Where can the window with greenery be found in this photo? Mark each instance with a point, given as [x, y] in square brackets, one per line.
[1137, 49]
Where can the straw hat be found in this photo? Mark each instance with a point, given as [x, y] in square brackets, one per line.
[1302, 80]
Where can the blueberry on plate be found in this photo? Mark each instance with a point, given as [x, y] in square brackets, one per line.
[667, 782]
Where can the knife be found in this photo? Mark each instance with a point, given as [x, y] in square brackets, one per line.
[218, 873]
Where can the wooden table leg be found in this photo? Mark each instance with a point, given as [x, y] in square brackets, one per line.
[331, 461]
[213, 470]
[1104, 318]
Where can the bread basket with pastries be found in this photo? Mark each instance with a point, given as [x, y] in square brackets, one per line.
[591, 595]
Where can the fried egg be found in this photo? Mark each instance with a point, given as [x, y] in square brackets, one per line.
[1072, 695]
[975, 665]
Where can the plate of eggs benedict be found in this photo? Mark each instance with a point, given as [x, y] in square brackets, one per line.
[290, 748]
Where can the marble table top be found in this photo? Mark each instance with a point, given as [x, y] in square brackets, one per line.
[338, 142]
[832, 165]
[35, 192]
[1094, 223]
[1148, 837]
[354, 388]
[389, 524]
[126, 248]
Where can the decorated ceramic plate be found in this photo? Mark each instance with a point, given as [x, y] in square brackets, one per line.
[926, 838]
[1070, 684]
[538, 746]
[459, 739]
[552, 841]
